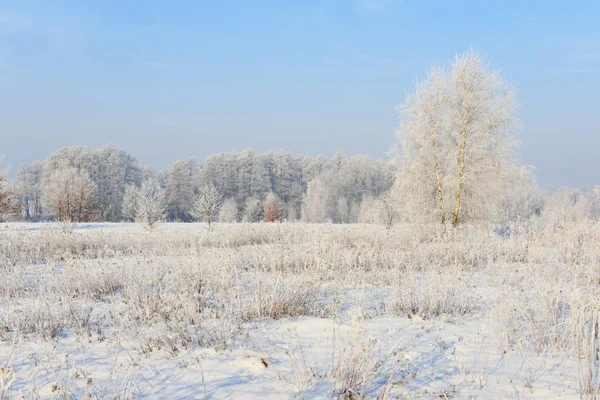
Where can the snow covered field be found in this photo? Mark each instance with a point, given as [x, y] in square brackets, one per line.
[255, 311]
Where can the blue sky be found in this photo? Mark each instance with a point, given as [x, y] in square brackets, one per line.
[167, 80]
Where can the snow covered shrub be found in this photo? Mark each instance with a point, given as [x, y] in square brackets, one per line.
[151, 203]
[357, 367]
[387, 209]
[433, 293]
[536, 322]
[41, 317]
[228, 211]
[521, 199]
[565, 208]
[588, 352]
[546, 308]
[247, 235]
[7, 378]
[90, 281]
[278, 297]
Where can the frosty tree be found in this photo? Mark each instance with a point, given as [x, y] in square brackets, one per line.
[565, 208]
[253, 210]
[228, 211]
[273, 208]
[27, 190]
[314, 206]
[151, 203]
[456, 142]
[69, 194]
[386, 209]
[181, 187]
[312, 188]
[109, 169]
[522, 199]
[5, 194]
[207, 205]
[130, 202]
[291, 213]
[596, 201]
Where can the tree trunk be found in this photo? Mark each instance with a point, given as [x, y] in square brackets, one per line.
[461, 165]
[433, 115]
[27, 214]
[459, 183]
[439, 183]
[462, 156]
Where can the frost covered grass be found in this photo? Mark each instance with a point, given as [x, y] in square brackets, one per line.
[299, 310]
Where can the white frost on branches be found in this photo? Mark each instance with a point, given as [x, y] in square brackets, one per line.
[456, 147]
[207, 205]
[147, 204]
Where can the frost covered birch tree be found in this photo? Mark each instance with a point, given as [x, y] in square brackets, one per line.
[482, 109]
[423, 134]
[456, 143]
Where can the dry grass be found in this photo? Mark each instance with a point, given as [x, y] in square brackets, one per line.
[179, 288]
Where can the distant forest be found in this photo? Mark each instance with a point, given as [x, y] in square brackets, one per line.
[340, 190]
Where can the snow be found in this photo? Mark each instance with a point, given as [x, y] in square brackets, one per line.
[430, 358]
[361, 339]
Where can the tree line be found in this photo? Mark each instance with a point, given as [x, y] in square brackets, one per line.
[85, 184]
[454, 162]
